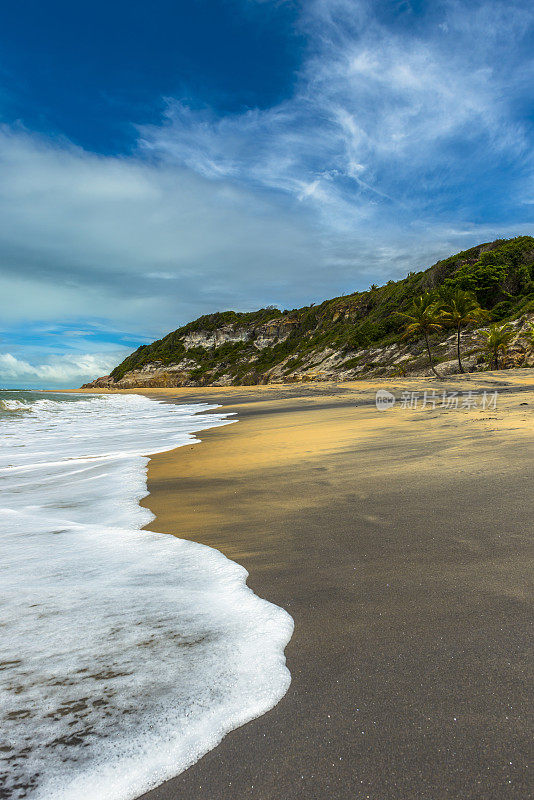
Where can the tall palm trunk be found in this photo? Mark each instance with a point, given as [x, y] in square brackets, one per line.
[458, 349]
[431, 360]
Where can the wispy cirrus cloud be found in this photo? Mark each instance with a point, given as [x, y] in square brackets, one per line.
[392, 117]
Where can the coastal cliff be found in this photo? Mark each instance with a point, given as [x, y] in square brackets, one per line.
[344, 338]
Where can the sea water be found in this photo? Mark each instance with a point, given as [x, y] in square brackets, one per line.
[124, 654]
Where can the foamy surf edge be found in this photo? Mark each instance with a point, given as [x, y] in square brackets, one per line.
[129, 779]
[245, 656]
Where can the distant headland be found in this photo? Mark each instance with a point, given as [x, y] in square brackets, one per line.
[364, 334]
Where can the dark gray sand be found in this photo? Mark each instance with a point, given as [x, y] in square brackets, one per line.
[401, 545]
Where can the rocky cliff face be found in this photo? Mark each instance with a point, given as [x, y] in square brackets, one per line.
[260, 336]
[323, 365]
[346, 338]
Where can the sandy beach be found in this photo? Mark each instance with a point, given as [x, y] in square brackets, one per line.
[400, 542]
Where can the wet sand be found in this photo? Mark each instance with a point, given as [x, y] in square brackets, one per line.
[400, 542]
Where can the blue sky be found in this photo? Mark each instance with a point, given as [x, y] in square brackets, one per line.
[159, 161]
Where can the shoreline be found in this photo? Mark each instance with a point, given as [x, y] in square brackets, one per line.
[399, 544]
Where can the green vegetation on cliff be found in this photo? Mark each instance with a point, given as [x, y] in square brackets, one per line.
[499, 274]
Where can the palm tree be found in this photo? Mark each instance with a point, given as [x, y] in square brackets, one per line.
[423, 319]
[529, 336]
[459, 308]
[497, 339]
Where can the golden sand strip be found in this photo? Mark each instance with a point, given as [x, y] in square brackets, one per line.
[400, 542]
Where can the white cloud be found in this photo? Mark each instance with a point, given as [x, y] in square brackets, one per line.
[58, 370]
[84, 235]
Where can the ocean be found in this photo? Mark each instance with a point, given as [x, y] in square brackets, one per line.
[125, 655]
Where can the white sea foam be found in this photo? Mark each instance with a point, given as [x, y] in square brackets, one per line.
[125, 654]
[14, 405]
